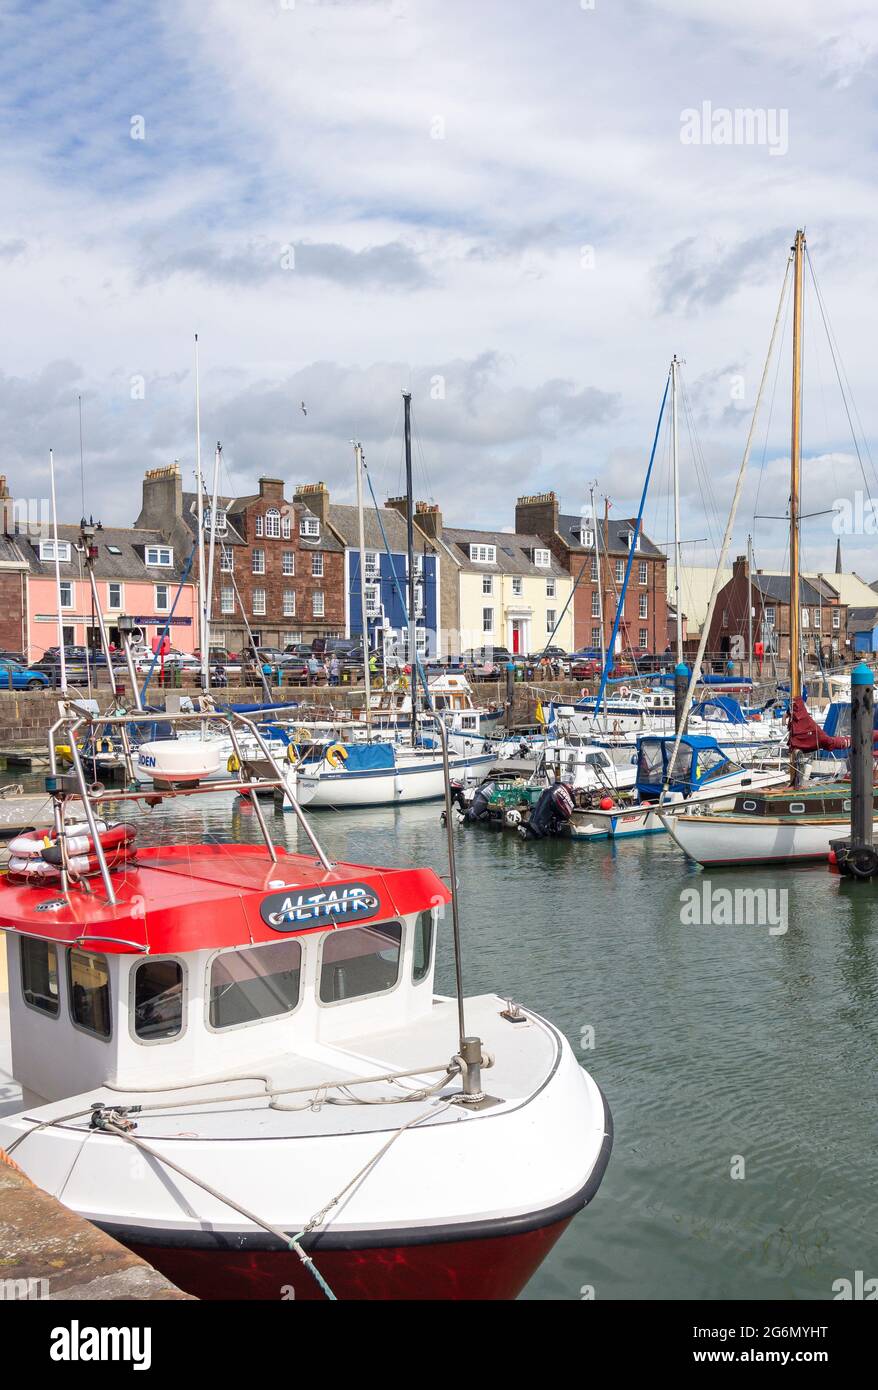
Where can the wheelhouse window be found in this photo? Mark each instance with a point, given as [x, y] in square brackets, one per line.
[357, 961]
[39, 975]
[423, 947]
[257, 983]
[89, 982]
[158, 1000]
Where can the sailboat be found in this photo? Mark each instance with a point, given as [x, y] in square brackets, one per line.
[791, 823]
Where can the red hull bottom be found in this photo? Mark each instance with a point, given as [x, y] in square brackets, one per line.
[492, 1268]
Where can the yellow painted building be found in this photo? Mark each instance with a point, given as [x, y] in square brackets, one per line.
[512, 593]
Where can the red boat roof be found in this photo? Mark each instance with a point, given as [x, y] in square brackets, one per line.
[176, 898]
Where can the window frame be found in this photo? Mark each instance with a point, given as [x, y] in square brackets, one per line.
[543, 563]
[315, 611]
[317, 564]
[272, 524]
[259, 611]
[288, 557]
[111, 606]
[155, 594]
[80, 1027]
[67, 584]
[375, 994]
[289, 612]
[259, 552]
[433, 914]
[309, 528]
[139, 962]
[159, 550]
[241, 950]
[26, 938]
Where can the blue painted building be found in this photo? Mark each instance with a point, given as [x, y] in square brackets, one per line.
[386, 595]
[863, 629]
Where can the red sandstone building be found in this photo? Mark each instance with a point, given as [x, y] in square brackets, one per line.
[576, 544]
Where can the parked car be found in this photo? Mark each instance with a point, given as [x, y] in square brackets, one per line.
[14, 675]
[584, 668]
[18, 657]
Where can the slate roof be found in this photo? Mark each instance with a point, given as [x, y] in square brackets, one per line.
[514, 552]
[130, 563]
[344, 518]
[776, 588]
[862, 619]
[233, 534]
[617, 534]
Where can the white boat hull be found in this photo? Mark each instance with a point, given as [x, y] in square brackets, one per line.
[717, 840]
[647, 820]
[420, 780]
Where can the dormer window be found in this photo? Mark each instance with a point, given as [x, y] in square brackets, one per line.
[47, 551]
[631, 539]
[586, 537]
[483, 554]
[309, 527]
[221, 524]
[542, 559]
[161, 555]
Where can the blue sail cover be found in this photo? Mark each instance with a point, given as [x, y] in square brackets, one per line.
[720, 707]
[368, 757]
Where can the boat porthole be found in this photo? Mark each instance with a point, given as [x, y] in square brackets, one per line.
[796, 808]
[748, 806]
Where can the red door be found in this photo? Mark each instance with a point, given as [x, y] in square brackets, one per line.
[515, 637]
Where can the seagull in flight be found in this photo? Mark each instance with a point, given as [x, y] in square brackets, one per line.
[302, 404]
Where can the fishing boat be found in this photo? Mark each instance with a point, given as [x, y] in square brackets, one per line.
[692, 770]
[234, 1061]
[380, 774]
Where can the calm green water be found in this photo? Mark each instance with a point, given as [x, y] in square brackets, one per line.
[710, 1042]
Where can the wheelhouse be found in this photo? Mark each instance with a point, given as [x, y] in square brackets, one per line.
[283, 958]
[699, 760]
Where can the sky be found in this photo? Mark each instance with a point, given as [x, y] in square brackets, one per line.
[517, 212]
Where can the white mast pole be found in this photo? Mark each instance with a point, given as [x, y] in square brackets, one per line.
[358, 456]
[58, 575]
[208, 600]
[597, 556]
[199, 514]
[679, 615]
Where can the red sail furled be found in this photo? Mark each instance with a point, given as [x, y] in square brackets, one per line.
[808, 736]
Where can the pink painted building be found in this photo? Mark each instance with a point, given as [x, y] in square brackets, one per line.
[138, 576]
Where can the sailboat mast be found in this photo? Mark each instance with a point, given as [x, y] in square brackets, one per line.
[676, 467]
[358, 456]
[750, 608]
[410, 542]
[199, 521]
[795, 468]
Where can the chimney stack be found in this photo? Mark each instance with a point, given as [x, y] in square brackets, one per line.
[271, 489]
[162, 503]
[314, 496]
[429, 518]
[537, 515]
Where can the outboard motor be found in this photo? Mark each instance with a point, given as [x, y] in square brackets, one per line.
[551, 813]
[478, 807]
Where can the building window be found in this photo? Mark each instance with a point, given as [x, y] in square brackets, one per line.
[550, 620]
[594, 569]
[595, 604]
[272, 524]
[542, 559]
[632, 539]
[258, 561]
[805, 617]
[641, 572]
[88, 979]
[317, 605]
[517, 586]
[221, 525]
[770, 615]
[644, 639]
[643, 607]
[259, 527]
[47, 551]
[357, 961]
[160, 555]
[114, 596]
[158, 1000]
[487, 620]
[373, 602]
[483, 554]
[66, 593]
[836, 619]
[550, 588]
[289, 603]
[285, 526]
[586, 537]
[258, 982]
[595, 637]
[309, 527]
[39, 975]
[288, 562]
[317, 566]
[162, 599]
[619, 571]
[259, 603]
[227, 601]
[371, 563]
[487, 583]
[227, 559]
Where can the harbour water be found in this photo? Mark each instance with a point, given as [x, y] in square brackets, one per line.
[739, 1060]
